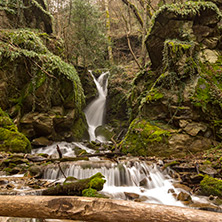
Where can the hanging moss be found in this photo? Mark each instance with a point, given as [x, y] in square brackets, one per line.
[21, 45]
[141, 136]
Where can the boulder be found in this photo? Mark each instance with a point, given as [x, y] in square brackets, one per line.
[197, 20]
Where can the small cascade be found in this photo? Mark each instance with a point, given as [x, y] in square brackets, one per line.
[67, 149]
[146, 181]
[95, 111]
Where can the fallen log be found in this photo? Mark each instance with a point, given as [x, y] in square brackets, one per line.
[76, 187]
[98, 209]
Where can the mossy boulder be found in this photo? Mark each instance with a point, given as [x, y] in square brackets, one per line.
[211, 186]
[38, 83]
[144, 138]
[190, 21]
[10, 138]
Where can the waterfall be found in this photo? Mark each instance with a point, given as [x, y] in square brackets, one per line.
[95, 111]
[146, 181]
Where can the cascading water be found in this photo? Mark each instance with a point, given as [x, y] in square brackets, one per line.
[95, 111]
[145, 181]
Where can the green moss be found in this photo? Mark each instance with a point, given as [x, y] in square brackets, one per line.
[97, 183]
[80, 127]
[209, 89]
[91, 193]
[152, 95]
[211, 186]
[10, 139]
[141, 136]
[173, 163]
[202, 94]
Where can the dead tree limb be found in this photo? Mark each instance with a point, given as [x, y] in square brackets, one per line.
[99, 210]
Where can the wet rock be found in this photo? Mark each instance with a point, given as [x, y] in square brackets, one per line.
[141, 199]
[43, 124]
[36, 158]
[35, 171]
[131, 196]
[182, 196]
[207, 170]
[15, 170]
[41, 141]
[3, 182]
[182, 186]
[183, 167]
[171, 191]
[195, 178]
[10, 186]
[206, 206]
[144, 183]
[104, 132]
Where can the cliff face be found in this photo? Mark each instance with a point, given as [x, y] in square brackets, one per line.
[41, 93]
[178, 101]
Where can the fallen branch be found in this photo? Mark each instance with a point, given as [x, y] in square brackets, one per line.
[108, 155]
[99, 209]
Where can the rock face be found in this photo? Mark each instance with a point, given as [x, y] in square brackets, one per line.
[41, 93]
[191, 21]
[180, 96]
[31, 14]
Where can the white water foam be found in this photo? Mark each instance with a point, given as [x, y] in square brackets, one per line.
[95, 111]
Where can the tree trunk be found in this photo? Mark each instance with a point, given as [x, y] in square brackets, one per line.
[110, 50]
[100, 210]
